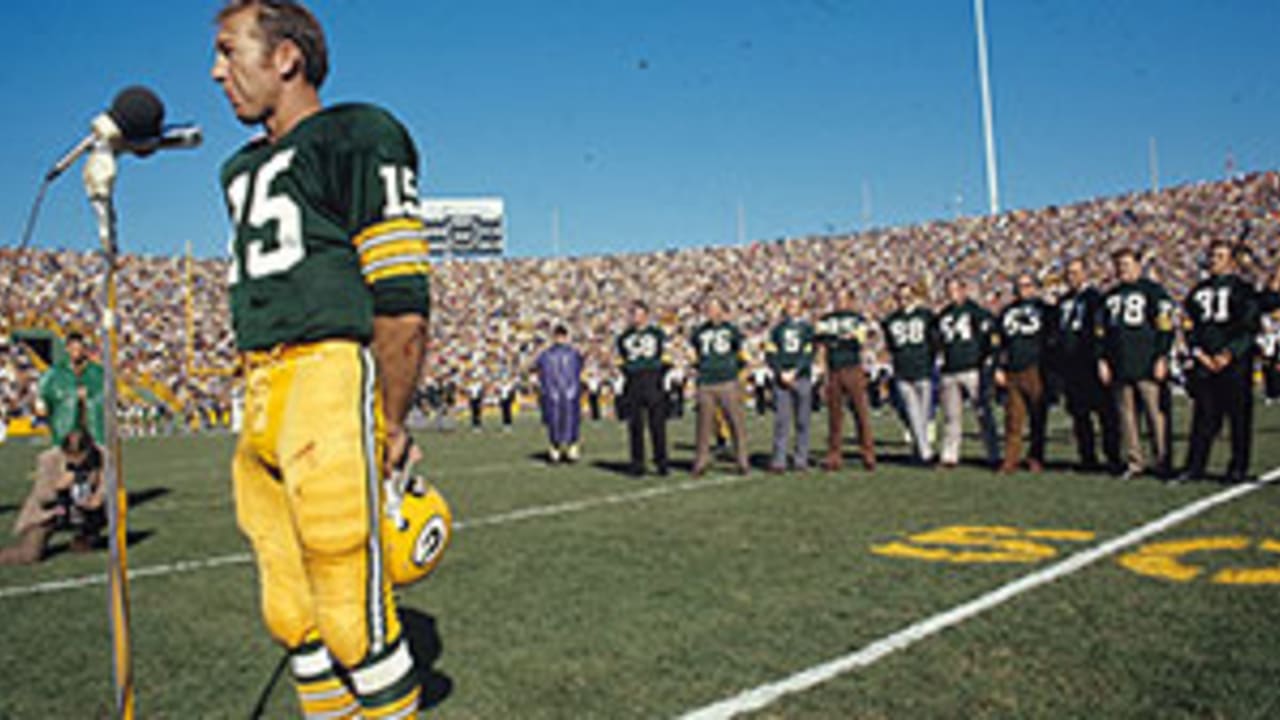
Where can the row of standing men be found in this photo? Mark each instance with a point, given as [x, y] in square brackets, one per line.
[1113, 353]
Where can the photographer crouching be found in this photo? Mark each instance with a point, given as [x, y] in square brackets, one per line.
[67, 494]
[67, 490]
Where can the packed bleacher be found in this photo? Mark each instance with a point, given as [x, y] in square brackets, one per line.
[490, 316]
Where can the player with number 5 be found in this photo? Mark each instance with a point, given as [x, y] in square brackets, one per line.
[329, 301]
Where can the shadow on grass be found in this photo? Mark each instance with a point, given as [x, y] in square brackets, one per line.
[426, 647]
[100, 543]
[146, 495]
[617, 467]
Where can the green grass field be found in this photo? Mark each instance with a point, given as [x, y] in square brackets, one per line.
[574, 592]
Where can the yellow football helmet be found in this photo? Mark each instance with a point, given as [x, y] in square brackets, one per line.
[416, 529]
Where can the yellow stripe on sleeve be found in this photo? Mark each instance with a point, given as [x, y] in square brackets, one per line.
[377, 252]
[409, 227]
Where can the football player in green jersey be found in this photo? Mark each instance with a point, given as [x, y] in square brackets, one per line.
[789, 354]
[1136, 335]
[1024, 330]
[965, 331]
[717, 343]
[841, 336]
[642, 356]
[329, 300]
[1079, 312]
[910, 336]
[1223, 314]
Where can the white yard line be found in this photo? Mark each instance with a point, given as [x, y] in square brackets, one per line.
[529, 513]
[764, 695]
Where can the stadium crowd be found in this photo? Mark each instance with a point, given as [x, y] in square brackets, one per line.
[490, 316]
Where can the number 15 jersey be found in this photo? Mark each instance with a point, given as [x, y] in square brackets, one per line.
[327, 230]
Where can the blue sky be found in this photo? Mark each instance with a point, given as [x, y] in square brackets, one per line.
[647, 123]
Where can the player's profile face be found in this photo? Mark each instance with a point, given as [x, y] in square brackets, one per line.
[242, 67]
[1026, 287]
[1220, 259]
[1075, 274]
[1127, 268]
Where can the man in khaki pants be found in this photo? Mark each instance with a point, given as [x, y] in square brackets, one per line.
[965, 331]
[1136, 335]
[718, 346]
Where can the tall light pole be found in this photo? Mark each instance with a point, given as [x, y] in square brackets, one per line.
[866, 204]
[988, 129]
[555, 231]
[742, 223]
[1153, 163]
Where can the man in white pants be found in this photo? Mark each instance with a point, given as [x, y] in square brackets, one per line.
[909, 335]
[964, 332]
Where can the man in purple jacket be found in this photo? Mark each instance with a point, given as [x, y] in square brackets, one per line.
[560, 381]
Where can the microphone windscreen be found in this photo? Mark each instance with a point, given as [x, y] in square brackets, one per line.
[137, 112]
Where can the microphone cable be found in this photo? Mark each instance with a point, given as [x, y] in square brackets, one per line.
[27, 233]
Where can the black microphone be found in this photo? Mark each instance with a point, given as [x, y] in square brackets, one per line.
[136, 116]
[180, 137]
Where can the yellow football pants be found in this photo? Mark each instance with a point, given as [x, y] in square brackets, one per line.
[307, 477]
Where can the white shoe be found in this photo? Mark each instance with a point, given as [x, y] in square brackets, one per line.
[553, 454]
[572, 453]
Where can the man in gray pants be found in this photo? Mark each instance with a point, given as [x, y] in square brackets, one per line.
[909, 335]
[789, 354]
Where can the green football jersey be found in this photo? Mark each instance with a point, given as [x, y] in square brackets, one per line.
[790, 347]
[843, 334]
[964, 332]
[327, 229]
[719, 350]
[909, 336]
[1077, 336]
[1024, 332]
[1136, 329]
[642, 348]
[1223, 314]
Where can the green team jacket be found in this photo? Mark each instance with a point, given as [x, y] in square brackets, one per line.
[58, 390]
